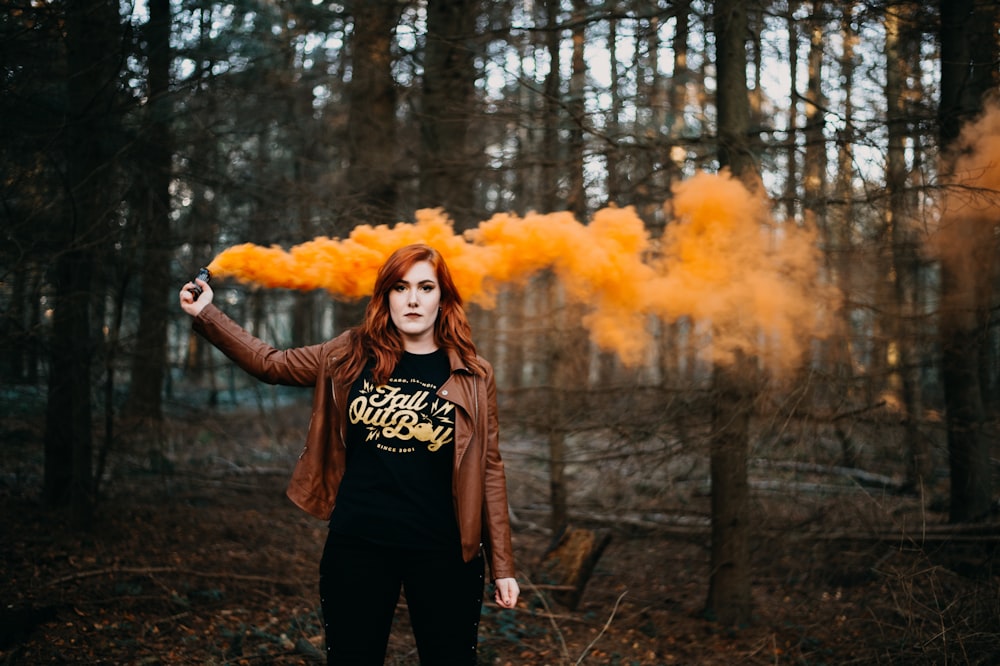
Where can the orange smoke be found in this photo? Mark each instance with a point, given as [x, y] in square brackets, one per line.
[721, 263]
[965, 238]
[727, 264]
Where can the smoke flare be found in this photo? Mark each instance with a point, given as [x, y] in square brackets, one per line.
[722, 263]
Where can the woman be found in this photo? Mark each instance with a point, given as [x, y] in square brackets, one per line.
[401, 457]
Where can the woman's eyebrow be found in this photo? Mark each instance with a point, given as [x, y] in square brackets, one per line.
[428, 281]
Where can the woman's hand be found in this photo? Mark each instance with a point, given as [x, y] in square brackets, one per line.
[191, 305]
[506, 592]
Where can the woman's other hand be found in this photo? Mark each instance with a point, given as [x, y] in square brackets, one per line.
[190, 303]
[506, 593]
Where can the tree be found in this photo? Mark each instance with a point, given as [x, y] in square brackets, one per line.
[30, 106]
[838, 233]
[968, 57]
[576, 195]
[729, 583]
[899, 254]
[154, 153]
[814, 171]
[677, 102]
[92, 44]
[372, 156]
[551, 148]
[373, 189]
[556, 362]
[447, 105]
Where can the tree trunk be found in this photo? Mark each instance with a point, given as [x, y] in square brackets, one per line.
[447, 109]
[150, 354]
[567, 344]
[669, 348]
[729, 599]
[14, 331]
[548, 196]
[729, 583]
[372, 146]
[551, 144]
[792, 167]
[90, 40]
[814, 168]
[839, 238]
[576, 199]
[965, 77]
[305, 325]
[900, 255]
[371, 134]
[68, 439]
[731, 99]
[677, 93]
[614, 130]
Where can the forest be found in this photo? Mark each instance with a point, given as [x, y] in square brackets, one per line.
[733, 263]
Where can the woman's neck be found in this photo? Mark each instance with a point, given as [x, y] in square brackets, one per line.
[427, 346]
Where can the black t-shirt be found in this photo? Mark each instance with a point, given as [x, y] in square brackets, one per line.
[396, 488]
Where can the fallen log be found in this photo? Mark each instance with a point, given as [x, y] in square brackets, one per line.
[864, 478]
[568, 565]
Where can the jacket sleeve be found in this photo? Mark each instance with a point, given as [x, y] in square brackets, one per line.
[496, 510]
[299, 366]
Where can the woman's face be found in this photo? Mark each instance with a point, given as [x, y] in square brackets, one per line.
[413, 307]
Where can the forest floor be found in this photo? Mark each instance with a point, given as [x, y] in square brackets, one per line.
[197, 557]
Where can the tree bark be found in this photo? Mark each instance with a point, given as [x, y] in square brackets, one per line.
[965, 77]
[372, 147]
[729, 600]
[155, 155]
[838, 236]
[14, 330]
[792, 166]
[814, 167]
[576, 198]
[552, 151]
[731, 98]
[371, 135]
[729, 583]
[447, 164]
[901, 275]
[668, 347]
[91, 26]
[549, 196]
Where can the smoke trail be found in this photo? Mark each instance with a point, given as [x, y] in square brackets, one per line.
[722, 263]
[726, 263]
[965, 237]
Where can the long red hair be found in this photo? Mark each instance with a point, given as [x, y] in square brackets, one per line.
[378, 339]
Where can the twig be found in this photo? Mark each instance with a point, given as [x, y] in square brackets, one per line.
[171, 619]
[145, 571]
[551, 616]
[856, 412]
[603, 629]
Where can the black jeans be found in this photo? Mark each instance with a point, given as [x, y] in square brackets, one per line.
[359, 587]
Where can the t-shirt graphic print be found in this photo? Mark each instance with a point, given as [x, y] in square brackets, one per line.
[396, 488]
[402, 415]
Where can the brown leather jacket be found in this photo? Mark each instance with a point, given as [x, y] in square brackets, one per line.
[479, 485]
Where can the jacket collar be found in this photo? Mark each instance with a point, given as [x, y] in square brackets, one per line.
[456, 362]
[460, 386]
